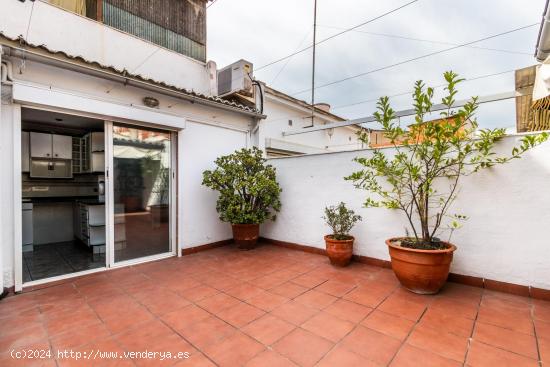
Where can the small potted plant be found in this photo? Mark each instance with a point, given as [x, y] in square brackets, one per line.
[249, 193]
[339, 244]
[420, 177]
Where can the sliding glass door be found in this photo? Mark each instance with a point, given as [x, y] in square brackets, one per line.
[142, 184]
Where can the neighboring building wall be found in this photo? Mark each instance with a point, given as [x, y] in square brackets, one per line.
[61, 30]
[524, 81]
[283, 116]
[504, 239]
[208, 133]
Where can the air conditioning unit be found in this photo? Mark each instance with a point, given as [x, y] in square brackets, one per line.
[235, 78]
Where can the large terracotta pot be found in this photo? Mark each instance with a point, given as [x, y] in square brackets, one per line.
[339, 251]
[421, 271]
[246, 235]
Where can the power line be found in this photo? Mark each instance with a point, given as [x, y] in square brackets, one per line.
[337, 34]
[212, 3]
[416, 58]
[432, 41]
[410, 92]
[288, 60]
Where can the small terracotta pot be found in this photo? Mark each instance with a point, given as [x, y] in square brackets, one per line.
[421, 271]
[339, 251]
[246, 235]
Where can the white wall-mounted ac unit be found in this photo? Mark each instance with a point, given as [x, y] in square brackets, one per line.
[235, 78]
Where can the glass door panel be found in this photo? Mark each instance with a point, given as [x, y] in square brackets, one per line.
[141, 192]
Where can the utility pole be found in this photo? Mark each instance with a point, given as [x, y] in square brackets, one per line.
[313, 63]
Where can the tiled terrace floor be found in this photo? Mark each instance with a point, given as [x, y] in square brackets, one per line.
[273, 307]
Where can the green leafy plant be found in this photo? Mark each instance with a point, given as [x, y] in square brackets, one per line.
[428, 157]
[249, 192]
[341, 220]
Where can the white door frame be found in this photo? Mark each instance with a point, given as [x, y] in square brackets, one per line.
[109, 198]
[109, 207]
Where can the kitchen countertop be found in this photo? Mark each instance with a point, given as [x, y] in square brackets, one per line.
[65, 199]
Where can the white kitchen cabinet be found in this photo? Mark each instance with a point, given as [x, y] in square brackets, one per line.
[25, 152]
[51, 146]
[62, 147]
[41, 145]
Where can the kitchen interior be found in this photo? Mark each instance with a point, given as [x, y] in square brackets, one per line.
[63, 191]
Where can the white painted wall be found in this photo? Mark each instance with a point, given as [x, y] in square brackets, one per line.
[278, 113]
[506, 237]
[200, 146]
[43, 24]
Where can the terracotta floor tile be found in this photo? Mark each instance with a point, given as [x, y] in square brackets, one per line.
[336, 288]
[294, 312]
[388, 324]
[440, 342]
[235, 350]
[79, 336]
[372, 345]
[269, 358]
[222, 282]
[196, 359]
[436, 319]
[316, 299]
[268, 329]
[454, 307]
[218, 302]
[309, 280]
[267, 301]
[483, 355]
[303, 347]
[288, 290]
[328, 326]
[410, 356]
[340, 356]
[244, 291]
[367, 296]
[127, 319]
[541, 311]
[240, 314]
[162, 301]
[347, 310]
[509, 340]
[82, 317]
[207, 331]
[398, 306]
[268, 281]
[22, 337]
[543, 329]
[544, 348]
[509, 319]
[184, 317]
[198, 293]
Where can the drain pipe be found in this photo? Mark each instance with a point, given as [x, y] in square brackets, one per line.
[543, 40]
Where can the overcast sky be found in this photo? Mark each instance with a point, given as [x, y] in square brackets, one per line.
[262, 31]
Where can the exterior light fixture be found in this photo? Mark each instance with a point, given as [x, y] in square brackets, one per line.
[151, 102]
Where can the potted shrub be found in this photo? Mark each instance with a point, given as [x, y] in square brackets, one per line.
[420, 177]
[339, 244]
[249, 193]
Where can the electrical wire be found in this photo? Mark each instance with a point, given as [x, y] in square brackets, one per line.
[416, 58]
[212, 3]
[337, 34]
[432, 41]
[410, 92]
[288, 60]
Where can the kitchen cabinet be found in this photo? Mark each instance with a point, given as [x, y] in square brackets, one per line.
[51, 146]
[62, 147]
[89, 225]
[25, 151]
[41, 145]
